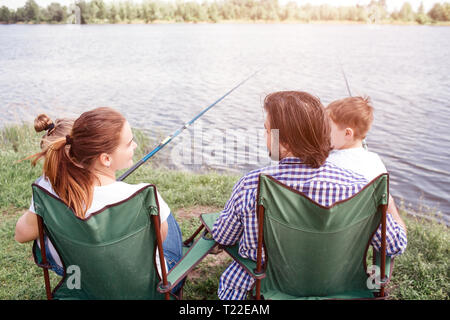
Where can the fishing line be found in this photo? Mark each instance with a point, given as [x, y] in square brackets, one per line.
[364, 142]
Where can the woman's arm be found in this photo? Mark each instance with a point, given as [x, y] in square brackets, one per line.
[27, 227]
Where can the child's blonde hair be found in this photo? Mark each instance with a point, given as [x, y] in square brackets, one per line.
[352, 112]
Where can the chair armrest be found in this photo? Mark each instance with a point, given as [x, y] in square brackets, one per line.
[249, 265]
[192, 257]
[196, 253]
[208, 220]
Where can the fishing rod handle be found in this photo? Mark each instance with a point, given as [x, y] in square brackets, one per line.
[131, 170]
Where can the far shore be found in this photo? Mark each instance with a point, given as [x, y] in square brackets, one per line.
[312, 22]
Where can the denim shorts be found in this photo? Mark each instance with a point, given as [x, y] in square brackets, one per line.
[173, 246]
[51, 261]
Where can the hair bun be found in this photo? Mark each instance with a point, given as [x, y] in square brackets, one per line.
[43, 122]
[69, 139]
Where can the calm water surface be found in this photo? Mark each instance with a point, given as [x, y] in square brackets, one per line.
[160, 76]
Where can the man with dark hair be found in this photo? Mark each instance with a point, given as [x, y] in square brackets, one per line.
[304, 143]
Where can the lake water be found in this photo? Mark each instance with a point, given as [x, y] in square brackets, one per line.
[160, 76]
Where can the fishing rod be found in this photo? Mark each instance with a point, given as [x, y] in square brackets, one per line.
[165, 141]
[364, 142]
[345, 77]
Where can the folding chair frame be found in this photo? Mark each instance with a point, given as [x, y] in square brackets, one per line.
[164, 285]
[258, 273]
[259, 265]
[46, 266]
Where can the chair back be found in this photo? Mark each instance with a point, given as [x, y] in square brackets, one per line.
[110, 254]
[312, 250]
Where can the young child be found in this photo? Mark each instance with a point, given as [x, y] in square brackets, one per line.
[351, 119]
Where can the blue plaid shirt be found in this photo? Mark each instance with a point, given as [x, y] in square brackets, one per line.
[238, 221]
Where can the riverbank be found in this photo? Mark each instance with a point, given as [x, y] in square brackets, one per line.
[421, 273]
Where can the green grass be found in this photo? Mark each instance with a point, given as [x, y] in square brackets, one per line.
[422, 272]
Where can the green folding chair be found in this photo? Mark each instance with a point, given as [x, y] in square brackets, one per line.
[111, 254]
[316, 252]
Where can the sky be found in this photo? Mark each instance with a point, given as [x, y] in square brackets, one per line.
[392, 4]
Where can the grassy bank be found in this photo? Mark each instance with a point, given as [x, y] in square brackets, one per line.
[421, 273]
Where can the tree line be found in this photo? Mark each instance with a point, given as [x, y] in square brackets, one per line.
[149, 11]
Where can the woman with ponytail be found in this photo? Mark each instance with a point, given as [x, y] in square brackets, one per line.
[54, 130]
[81, 170]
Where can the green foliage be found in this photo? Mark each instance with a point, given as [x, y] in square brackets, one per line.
[422, 272]
[32, 12]
[440, 12]
[149, 11]
[5, 14]
[16, 143]
[406, 12]
[421, 17]
[101, 12]
[56, 13]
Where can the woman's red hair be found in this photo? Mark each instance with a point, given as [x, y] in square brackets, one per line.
[69, 161]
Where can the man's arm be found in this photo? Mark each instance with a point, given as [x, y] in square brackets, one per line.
[228, 226]
[392, 209]
[227, 229]
[396, 240]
